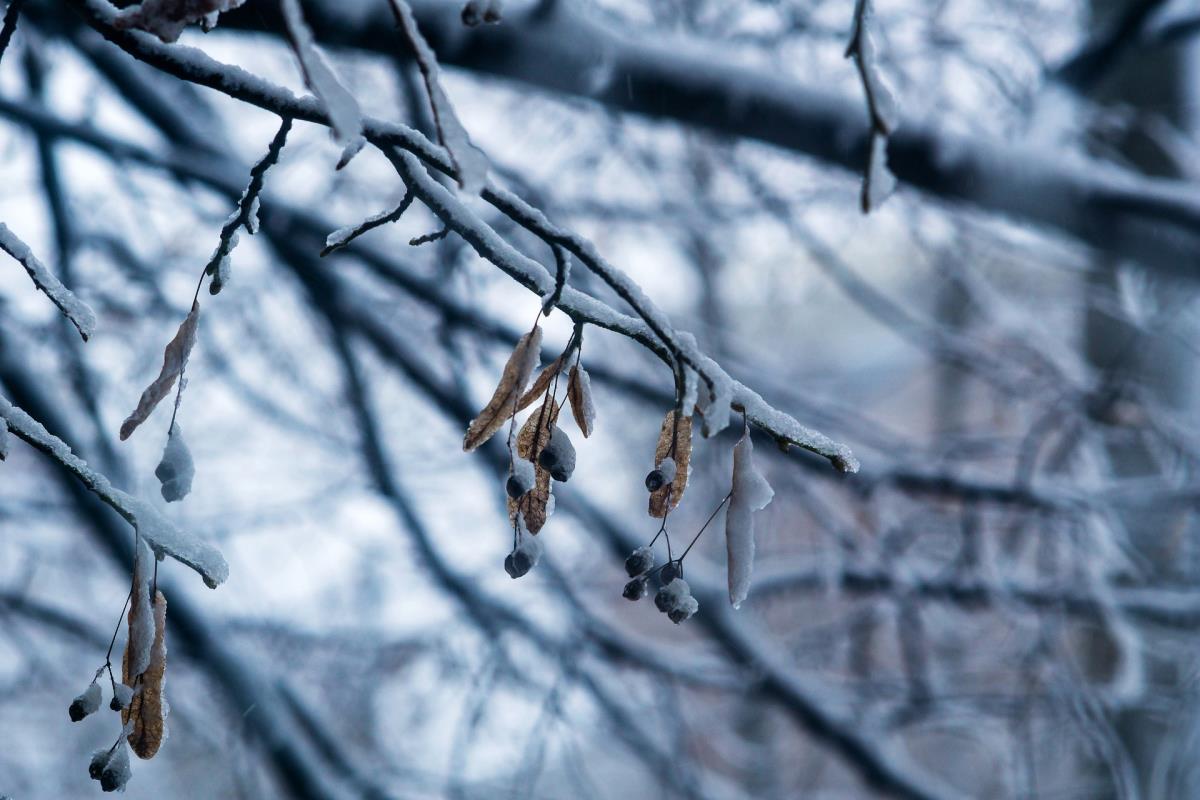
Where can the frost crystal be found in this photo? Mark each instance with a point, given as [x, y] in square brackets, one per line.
[750, 493]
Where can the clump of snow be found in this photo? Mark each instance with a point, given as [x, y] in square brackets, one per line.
[167, 19]
[88, 702]
[176, 469]
[345, 116]
[471, 163]
[750, 493]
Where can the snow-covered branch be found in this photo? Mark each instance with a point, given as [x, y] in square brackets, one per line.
[163, 537]
[650, 328]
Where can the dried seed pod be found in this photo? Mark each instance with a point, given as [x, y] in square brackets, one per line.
[674, 445]
[512, 384]
[635, 589]
[669, 572]
[640, 561]
[558, 456]
[536, 505]
[521, 480]
[147, 710]
[86, 703]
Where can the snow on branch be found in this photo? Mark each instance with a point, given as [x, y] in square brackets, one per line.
[469, 161]
[878, 180]
[166, 19]
[246, 214]
[162, 536]
[80, 314]
[345, 117]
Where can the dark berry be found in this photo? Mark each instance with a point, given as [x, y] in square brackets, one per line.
[517, 563]
[77, 711]
[670, 572]
[655, 480]
[635, 589]
[662, 599]
[639, 562]
[515, 487]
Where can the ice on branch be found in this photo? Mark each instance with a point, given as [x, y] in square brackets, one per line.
[80, 314]
[162, 537]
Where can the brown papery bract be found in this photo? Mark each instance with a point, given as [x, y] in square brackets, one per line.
[534, 435]
[146, 708]
[504, 402]
[666, 498]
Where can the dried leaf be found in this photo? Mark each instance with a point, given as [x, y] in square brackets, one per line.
[503, 404]
[675, 441]
[146, 708]
[175, 357]
[538, 503]
[540, 383]
[579, 393]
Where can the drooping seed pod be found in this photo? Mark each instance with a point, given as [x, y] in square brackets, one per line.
[86, 703]
[635, 589]
[558, 456]
[640, 561]
[521, 480]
